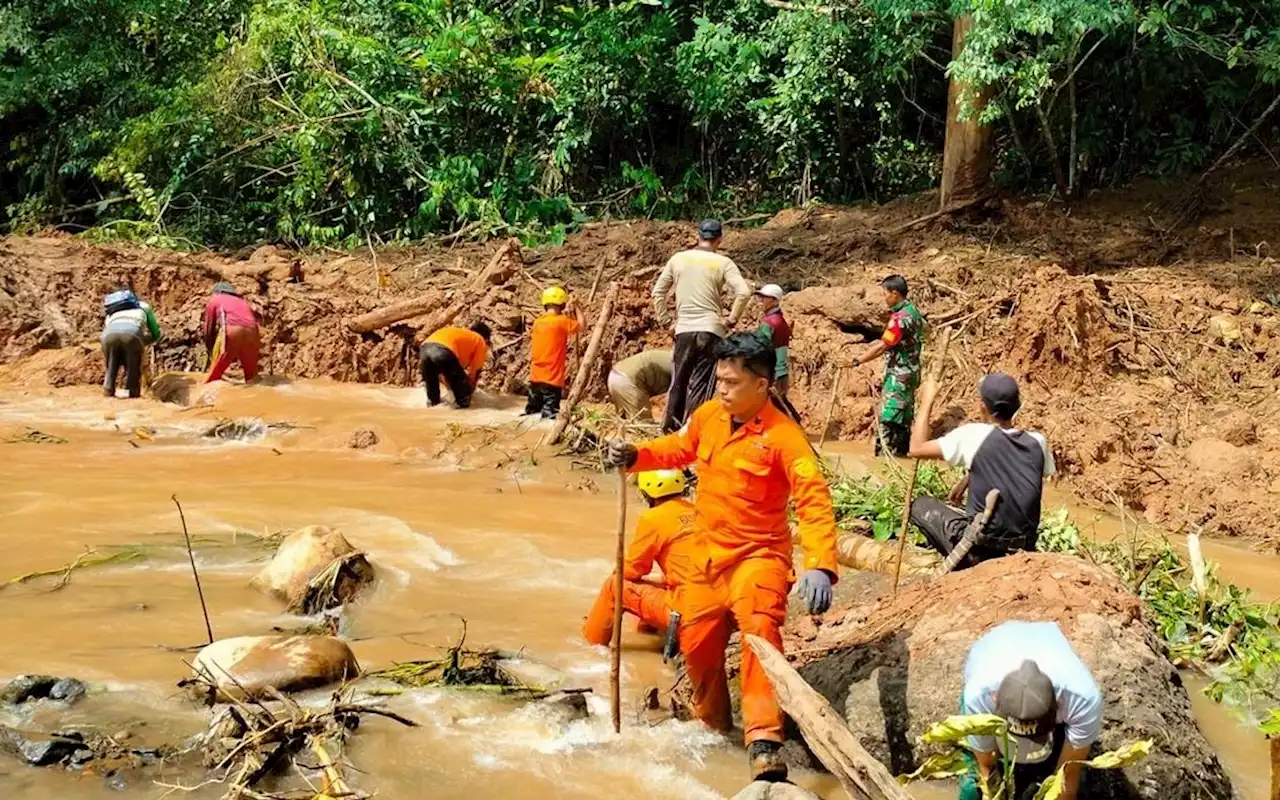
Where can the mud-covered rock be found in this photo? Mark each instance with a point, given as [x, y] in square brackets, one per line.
[765, 790]
[893, 668]
[1238, 428]
[849, 307]
[363, 439]
[252, 665]
[1221, 458]
[315, 569]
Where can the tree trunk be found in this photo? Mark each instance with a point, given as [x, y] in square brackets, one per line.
[827, 735]
[966, 155]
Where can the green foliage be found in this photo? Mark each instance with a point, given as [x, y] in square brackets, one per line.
[879, 502]
[344, 121]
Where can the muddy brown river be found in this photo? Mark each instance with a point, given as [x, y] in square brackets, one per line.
[455, 525]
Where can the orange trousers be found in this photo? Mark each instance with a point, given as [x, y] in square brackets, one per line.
[643, 600]
[753, 595]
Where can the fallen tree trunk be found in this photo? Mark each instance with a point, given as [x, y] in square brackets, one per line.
[862, 777]
[588, 361]
[498, 271]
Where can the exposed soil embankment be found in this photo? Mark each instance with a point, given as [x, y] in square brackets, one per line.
[1152, 363]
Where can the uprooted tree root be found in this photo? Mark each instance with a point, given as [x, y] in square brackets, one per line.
[249, 745]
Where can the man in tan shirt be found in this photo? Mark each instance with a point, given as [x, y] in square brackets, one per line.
[636, 380]
[699, 277]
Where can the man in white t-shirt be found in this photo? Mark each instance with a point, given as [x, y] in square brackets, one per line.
[997, 456]
[1028, 673]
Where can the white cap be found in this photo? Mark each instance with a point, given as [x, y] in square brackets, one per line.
[770, 290]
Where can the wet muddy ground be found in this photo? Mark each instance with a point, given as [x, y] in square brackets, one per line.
[453, 512]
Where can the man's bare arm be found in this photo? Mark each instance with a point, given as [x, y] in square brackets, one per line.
[921, 445]
[1071, 763]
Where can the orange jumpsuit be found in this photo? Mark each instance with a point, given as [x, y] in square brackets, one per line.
[664, 534]
[745, 479]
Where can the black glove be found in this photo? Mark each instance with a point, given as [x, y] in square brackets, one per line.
[621, 454]
[815, 588]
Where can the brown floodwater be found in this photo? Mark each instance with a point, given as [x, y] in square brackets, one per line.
[458, 525]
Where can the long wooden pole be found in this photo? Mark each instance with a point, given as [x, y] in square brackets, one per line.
[204, 608]
[935, 375]
[588, 361]
[615, 649]
[831, 407]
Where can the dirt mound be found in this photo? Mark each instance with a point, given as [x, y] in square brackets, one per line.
[893, 668]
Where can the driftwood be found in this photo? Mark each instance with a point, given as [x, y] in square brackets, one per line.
[827, 735]
[500, 268]
[588, 361]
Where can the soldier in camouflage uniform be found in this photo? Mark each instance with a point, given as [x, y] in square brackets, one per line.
[901, 345]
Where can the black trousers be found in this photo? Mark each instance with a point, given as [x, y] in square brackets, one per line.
[122, 350]
[439, 362]
[544, 399]
[693, 377]
[944, 526]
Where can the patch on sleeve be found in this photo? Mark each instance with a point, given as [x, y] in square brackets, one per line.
[805, 467]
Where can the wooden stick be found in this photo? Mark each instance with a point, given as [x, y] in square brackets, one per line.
[827, 735]
[936, 374]
[588, 361]
[831, 407]
[615, 649]
[1275, 768]
[195, 574]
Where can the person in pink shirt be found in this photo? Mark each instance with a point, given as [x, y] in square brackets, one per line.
[229, 313]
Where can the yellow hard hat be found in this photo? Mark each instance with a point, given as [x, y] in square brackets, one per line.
[660, 483]
[554, 296]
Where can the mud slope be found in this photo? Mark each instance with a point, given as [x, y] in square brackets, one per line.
[1152, 362]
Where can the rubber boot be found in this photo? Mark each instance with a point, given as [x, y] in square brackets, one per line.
[766, 761]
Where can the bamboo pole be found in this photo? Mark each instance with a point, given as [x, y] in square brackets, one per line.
[935, 375]
[615, 649]
[831, 407]
[827, 735]
[588, 361]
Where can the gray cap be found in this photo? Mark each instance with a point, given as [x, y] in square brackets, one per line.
[222, 287]
[1027, 701]
[710, 229]
[1000, 395]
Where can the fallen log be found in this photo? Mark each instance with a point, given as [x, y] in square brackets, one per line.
[827, 735]
[588, 361]
[500, 268]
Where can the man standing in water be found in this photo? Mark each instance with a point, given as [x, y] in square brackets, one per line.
[699, 277]
[751, 461]
[901, 343]
[228, 315]
[130, 326]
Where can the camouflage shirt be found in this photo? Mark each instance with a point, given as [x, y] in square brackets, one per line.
[904, 336]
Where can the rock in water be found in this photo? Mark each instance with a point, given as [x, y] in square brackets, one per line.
[250, 665]
[895, 667]
[67, 690]
[315, 569]
[764, 790]
[363, 439]
[27, 687]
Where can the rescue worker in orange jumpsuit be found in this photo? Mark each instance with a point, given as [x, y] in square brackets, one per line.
[751, 460]
[664, 534]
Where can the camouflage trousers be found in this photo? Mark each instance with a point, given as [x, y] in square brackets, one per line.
[898, 398]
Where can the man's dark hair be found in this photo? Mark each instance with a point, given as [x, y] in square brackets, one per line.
[756, 354]
[482, 329]
[895, 283]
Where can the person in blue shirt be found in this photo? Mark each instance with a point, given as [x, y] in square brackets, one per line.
[1028, 673]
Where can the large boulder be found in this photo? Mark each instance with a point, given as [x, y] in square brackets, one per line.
[253, 665]
[315, 569]
[1215, 457]
[852, 309]
[894, 667]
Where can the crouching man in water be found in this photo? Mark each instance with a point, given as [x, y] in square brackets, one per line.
[997, 456]
[129, 327]
[229, 316]
[1027, 673]
[664, 534]
[457, 355]
[751, 460]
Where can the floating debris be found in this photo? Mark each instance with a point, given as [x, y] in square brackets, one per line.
[248, 429]
[32, 436]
